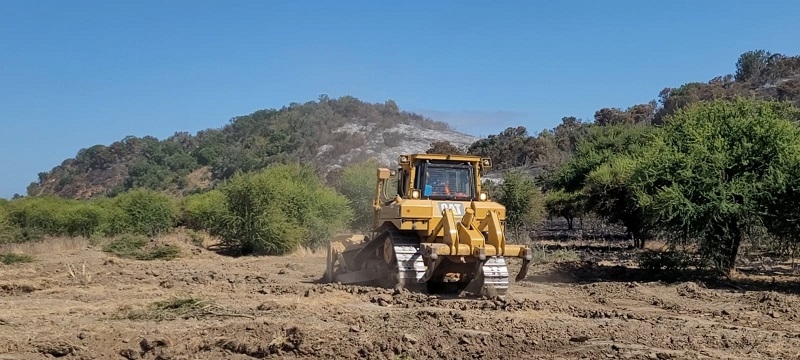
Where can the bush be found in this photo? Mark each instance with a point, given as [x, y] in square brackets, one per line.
[144, 212]
[35, 216]
[126, 246]
[357, 183]
[134, 247]
[8, 232]
[11, 258]
[280, 208]
[82, 220]
[205, 211]
[524, 202]
[666, 261]
[40, 214]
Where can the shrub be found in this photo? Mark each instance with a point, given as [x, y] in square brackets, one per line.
[81, 220]
[357, 183]
[666, 261]
[144, 212]
[205, 211]
[114, 221]
[40, 214]
[8, 232]
[524, 202]
[134, 247]
[35, 216]
[12, 258]
[166, 310]
[126, 246]
[280, 208]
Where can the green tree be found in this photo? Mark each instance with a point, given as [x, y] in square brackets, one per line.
[600, 172]
[612, 116]
[608, 191]
[751, 64]
[444, 147]
[719, 170]
[510, 148]
[81, 219]
[564, 204]
[523, 202]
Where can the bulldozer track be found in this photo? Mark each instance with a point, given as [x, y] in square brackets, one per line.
[495, 272]
[411, 266]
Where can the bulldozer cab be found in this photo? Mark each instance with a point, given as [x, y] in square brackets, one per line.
[440, 177]
[446, 181]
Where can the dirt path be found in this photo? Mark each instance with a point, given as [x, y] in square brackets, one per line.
[239, 308]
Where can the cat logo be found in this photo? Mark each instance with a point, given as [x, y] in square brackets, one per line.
[456, 207]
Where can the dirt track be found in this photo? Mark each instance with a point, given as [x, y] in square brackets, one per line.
[271, 307]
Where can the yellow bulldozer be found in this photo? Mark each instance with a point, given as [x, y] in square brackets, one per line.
[437, 232]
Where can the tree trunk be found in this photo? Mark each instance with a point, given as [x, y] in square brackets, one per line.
[638, 239]
[569, 223]
[730, 248]
[635, 229]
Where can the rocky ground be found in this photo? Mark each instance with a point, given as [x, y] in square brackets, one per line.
[77, 302]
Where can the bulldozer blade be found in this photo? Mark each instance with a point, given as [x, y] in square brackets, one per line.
[476, 286]
[430, 270]
[523, 272]
[336, 263]
[350, 241]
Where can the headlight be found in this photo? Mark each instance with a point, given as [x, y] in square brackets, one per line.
[415, 194]
[484, 196]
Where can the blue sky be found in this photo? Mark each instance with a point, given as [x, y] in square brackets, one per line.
[76, 74]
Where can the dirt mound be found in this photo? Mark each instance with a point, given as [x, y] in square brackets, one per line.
[773, 304]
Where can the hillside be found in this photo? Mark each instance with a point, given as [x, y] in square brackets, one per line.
[758, 74]
[330, 133]
[327, 133]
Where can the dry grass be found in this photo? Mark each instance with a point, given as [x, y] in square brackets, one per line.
[11, 258]
[303, 251]
[139, 248]
[166, 310]
[582, 242]
[661, 245]
[541, 255]
[656, 245]
[200, 179]
[51, 245]
[83, 277]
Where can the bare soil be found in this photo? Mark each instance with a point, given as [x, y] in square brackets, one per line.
[77, 302]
